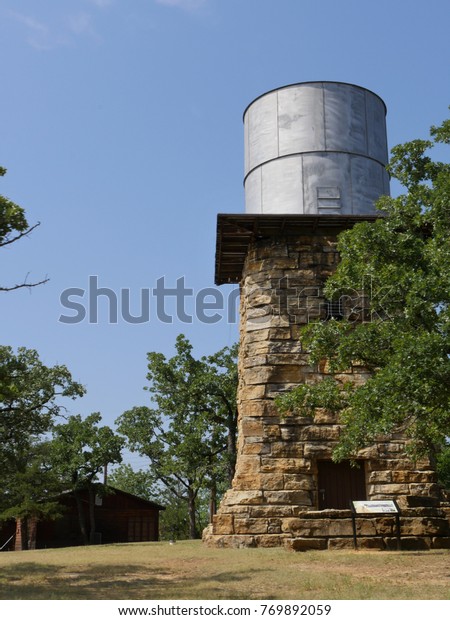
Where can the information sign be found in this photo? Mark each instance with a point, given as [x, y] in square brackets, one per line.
[379, 507]
[374, 508]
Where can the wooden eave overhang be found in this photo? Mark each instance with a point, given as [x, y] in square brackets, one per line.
[236, 231]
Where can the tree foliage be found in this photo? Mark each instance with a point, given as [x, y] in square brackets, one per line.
[14, 226]
[187, 435]
[396, 271]
[140, 483]
[443, 467]
[29, 490]
[80, 450]
[30, 400]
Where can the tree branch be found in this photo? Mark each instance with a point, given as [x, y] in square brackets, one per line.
[19, 236]
[24, 285]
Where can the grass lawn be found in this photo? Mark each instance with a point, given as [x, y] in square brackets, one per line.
[188, 570]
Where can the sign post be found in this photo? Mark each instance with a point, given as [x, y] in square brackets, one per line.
[375, 508]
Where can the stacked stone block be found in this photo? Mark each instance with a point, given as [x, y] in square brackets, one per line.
[274, 497]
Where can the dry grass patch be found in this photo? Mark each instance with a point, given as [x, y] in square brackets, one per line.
[188, 570]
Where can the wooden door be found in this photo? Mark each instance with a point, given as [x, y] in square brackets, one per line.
[339, 483]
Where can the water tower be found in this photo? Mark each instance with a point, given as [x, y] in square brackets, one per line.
[315, 157]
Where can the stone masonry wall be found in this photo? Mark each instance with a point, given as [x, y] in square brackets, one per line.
[274, 495]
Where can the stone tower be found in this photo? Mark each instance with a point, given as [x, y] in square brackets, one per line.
[315, 156]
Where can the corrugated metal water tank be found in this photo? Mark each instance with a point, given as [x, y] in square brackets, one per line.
[315, 148]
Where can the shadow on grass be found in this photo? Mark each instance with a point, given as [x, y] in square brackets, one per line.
[28, 580]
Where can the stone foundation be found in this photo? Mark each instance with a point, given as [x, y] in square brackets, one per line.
[275, 495]
[420, 528]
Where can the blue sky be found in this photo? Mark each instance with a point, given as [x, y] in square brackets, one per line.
[121, 129]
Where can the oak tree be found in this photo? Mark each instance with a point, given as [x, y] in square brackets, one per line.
[31, 397]
[186, 435]
[80, 450]
[396, 270]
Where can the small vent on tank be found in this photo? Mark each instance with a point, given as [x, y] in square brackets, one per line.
[328, 199]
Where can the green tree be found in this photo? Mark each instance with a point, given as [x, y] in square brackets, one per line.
[443, 466]
[219, 382]
[187, 434]
[14, 226]
[397, 272]
[30, 400]
[174, 522]
[80, 451]
[29, 491]
[140, 483]
[179, 447]
[208, 386]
